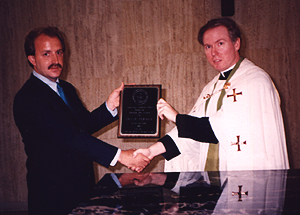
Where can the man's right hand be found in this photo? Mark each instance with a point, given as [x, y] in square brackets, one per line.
[137, 163]
[152, 151]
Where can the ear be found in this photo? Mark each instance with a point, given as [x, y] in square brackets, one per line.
[237, 44]
[31, 59]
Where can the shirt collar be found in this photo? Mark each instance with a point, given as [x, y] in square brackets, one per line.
[226, 70]
[51, 84]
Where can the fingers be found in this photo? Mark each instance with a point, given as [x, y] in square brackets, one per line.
[113, 99]
[160, 104]
[143, 151]
[139, 162]
[135, 153]
[136, 169]
[142, 160]
[165, 110]
[116, 92]
[160, 113]
[161, 101]
[139, 169]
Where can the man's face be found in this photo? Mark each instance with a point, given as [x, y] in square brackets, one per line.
[220, 51]
[48, 58]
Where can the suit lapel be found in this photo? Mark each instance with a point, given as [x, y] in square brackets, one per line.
[47, 92]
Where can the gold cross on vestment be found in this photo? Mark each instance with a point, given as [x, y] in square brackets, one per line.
[238, 143]
[234, 95]
[240, 193]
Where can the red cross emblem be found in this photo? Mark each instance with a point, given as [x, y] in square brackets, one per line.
[238, 143]
[234, 95]
[240, 193]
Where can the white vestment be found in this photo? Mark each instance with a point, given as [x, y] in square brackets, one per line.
[252, 119]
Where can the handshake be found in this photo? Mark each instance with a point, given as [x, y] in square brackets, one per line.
[137, 160]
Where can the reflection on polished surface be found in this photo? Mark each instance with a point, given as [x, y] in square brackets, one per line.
[232, 192]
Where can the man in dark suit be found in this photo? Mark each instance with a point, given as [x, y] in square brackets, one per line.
[56, 129]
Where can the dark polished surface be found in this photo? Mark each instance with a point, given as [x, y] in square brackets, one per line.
[232, 192]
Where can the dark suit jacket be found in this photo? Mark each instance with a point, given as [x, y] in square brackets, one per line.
[59, 145]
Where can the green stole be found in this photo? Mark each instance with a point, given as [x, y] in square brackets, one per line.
[212, 160]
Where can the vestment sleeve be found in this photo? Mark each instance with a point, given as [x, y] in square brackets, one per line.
[198, 129]
[170, 146]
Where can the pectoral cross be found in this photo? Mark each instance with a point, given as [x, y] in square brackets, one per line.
[240, 193]
[238, 143]
[234, 95]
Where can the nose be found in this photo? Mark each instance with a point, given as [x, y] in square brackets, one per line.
[213, 51]
[56, 58]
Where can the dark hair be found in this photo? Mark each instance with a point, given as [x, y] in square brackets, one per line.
[33, 34]
[233, 30]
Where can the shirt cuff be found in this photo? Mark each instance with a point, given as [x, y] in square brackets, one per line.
[112, 112]
[116, 158]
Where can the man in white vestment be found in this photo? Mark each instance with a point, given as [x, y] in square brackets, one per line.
[236, 123]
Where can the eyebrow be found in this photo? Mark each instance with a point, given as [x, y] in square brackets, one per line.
[205, 44]
[47, 50]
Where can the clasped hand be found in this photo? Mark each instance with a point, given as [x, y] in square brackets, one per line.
[136, 163]
[164, 110]
[141, 158]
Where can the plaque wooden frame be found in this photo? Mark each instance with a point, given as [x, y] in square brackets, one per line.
[137, 113]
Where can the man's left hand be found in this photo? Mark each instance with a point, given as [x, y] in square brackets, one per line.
[165, 110]
[113, 100]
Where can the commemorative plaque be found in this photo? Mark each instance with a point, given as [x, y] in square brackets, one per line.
[138, 114]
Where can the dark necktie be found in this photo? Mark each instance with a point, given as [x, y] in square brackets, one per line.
[62, 94]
